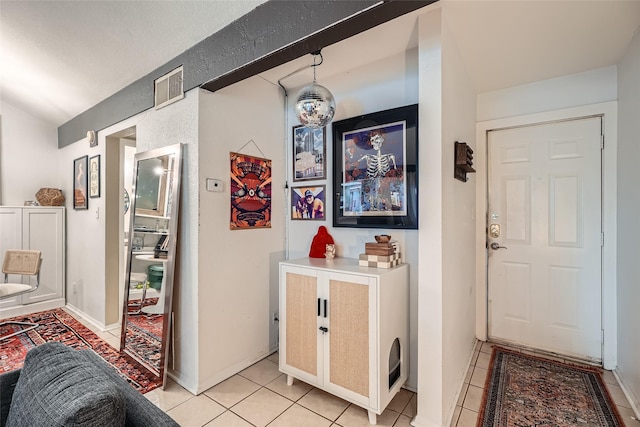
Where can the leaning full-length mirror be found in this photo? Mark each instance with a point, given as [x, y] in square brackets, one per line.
[151, 257]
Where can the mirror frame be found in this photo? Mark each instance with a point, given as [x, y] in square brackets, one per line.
[169, 264]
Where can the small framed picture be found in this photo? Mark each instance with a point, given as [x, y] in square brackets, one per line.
[309, 152]
[94, 176]
[80, 200]
[308, 203]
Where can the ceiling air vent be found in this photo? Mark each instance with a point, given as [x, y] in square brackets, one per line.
[169, 88]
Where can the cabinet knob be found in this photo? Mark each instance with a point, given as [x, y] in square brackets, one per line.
[324, 329]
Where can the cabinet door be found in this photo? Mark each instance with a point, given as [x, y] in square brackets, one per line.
[299, 337]
[10, 238]
[351, 341]
[43, 230]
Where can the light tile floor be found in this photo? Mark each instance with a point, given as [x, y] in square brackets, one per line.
[259, 396]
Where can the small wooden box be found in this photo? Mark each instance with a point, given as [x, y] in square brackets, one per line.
[379, 248]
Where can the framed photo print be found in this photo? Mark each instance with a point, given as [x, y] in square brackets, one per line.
[94, 176]
[375, 177]
[80, 166]
[309, 153]
[308, 203]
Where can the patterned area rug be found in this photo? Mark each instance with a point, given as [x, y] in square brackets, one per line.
[144, 338]
[528, 391]
[58, 325]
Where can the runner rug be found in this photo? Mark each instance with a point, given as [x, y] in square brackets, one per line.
[523, 390]
[58, 325]
[144, 338]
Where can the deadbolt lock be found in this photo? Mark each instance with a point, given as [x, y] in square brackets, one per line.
[494, 231]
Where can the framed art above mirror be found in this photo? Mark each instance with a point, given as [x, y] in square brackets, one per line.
[151, 258]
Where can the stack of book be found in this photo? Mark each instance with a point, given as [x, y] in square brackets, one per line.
[162, 247]
[380, 255]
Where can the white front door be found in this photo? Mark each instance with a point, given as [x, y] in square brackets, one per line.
[544, 237]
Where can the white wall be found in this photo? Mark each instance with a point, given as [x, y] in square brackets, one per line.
[430, 269]
[238, 269]
[586, 88]
[395, 80]
[28, 156]
[447, 224]
[173, 124]
[458, 223]
[628, 214]
[85, 290]
[176, 123]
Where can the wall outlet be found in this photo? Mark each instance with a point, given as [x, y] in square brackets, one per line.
[215, 185]
[274, 318]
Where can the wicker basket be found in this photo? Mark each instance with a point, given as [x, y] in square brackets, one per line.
[50, 197]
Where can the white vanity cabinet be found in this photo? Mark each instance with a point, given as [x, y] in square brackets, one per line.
[41, 228]
[345, 329]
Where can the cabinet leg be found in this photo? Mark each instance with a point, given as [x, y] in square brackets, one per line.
[289, 380]
[373, 418]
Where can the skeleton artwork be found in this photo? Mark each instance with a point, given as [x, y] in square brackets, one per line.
[378, 165]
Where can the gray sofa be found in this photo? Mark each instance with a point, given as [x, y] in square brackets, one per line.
[60, 386]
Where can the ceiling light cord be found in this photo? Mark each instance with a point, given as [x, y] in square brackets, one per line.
[315, 55]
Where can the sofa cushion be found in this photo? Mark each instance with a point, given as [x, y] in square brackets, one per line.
[59, 387]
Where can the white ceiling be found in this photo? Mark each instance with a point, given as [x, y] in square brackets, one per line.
[61, 57]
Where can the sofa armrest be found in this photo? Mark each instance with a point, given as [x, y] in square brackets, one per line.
[140, 410]
[8, 383]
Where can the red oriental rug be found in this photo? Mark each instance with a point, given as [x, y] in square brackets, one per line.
[528, 391]
[144, 338]
[58, 325]
[144, 334]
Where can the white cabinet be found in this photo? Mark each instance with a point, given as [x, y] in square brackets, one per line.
[41, 228]
[345, 328]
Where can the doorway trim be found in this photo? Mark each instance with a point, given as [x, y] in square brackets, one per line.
[609, 112]
[114, 221]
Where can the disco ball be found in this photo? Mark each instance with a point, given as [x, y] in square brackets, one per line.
[315, 106]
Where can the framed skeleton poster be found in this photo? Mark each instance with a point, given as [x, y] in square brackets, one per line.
[375, 176]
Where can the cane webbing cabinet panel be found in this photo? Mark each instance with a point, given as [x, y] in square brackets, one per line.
[338, 325]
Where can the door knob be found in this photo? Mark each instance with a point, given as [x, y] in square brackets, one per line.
[495, 246]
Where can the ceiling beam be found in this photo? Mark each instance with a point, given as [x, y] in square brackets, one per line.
[363, 21]
[272, 34]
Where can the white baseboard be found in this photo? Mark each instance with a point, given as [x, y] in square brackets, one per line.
[635, 405]
[229, 372]
[419, 421]
[23, 310]
[99, 326]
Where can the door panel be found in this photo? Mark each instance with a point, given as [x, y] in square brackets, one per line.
[350, 369]
[544, 272]
[565, 213]
[348, 336]
[518, 212]
[10, 238]
[301, 325]
[38, 224]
